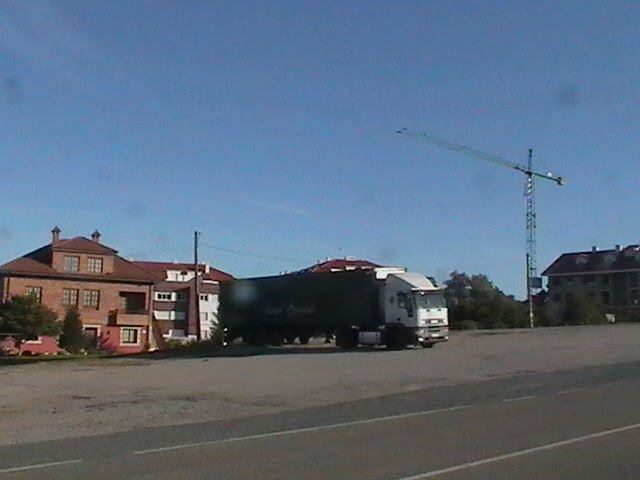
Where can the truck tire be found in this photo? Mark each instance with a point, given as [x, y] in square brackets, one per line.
[396, 339]
[256, 338]
[304, 338]
[276, 338]
[290, 338]
[428, 345]
[347, 338]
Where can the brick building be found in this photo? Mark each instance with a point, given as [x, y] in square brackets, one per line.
[174, 306]
[611, 277]
[112, 294]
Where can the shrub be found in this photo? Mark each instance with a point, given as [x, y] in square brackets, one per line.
[72, 339]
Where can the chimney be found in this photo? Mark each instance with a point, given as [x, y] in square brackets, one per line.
[617, 248]
[95, 236]
[594, 249]
[55, 234]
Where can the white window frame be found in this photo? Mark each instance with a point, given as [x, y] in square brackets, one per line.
[169, 294]
[34, 342]
[129, 344]
[64, 263]
[84, 297]
[170, 315]
[31, 287]
[204, 297]
[96, 260]
[77, 304]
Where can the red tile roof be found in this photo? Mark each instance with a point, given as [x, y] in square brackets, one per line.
[599, 261]
[38, 263]
[83, 245]
[27, 265]
[341, 264]
[159, 269]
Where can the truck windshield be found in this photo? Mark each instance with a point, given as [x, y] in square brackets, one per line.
[430, 300]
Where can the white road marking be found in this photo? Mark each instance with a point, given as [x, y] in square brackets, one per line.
[520, 453]
[519, 399]
[569, 390]
[37, 466]
[298, 430]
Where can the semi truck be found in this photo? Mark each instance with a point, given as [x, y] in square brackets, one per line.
[382, 306]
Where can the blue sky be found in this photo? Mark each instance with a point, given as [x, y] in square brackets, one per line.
[269, 127]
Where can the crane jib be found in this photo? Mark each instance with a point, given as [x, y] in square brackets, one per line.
[478, 154]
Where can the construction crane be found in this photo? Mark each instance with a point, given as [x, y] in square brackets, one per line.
[533, 281]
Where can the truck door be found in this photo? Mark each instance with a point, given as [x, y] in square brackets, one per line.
[399, 307]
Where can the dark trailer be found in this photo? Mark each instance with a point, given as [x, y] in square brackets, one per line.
[282, 308]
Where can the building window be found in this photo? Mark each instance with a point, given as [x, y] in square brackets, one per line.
[70, 297]
[569, 280]
[71, 264]
[604, 279]
[588, 279]
[556, 281]
[180, 297]
[606, 297]
[170, 315]
[633, 279]
[34, 292]
[634, 297]
[94, 265]
[163, 297]
[133, 302]
[130, 336]
[204, 297]
[91, 299]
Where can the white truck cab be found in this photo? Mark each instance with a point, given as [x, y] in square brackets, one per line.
[413, 303]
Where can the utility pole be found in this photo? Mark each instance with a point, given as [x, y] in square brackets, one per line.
[196, 236]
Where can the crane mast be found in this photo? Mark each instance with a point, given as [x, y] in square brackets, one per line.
[533, 281]
[532, 248]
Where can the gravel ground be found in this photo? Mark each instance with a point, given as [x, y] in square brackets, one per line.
[66, 399]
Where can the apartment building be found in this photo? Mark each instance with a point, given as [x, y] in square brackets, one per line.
[112, 294]
[174, 302]
[608, 276]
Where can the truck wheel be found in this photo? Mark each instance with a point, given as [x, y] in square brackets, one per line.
[304, 339]
[396, 339]
[347, 338]
[276, 339]
[428, 345]
[290, 339]
[249, 337]
[257, 337]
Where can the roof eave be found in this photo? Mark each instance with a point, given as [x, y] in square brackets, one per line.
[58, 276]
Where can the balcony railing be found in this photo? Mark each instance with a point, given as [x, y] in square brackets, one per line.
[129, 316]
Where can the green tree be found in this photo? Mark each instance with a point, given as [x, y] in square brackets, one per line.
[476, 301]
[72, 338]
[581, 310]
[26, 317]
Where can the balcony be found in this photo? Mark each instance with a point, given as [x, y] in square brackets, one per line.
[137, 317]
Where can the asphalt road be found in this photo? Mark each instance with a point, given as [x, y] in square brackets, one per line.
[576, 424]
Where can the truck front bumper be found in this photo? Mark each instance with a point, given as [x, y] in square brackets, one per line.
[432, 334]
